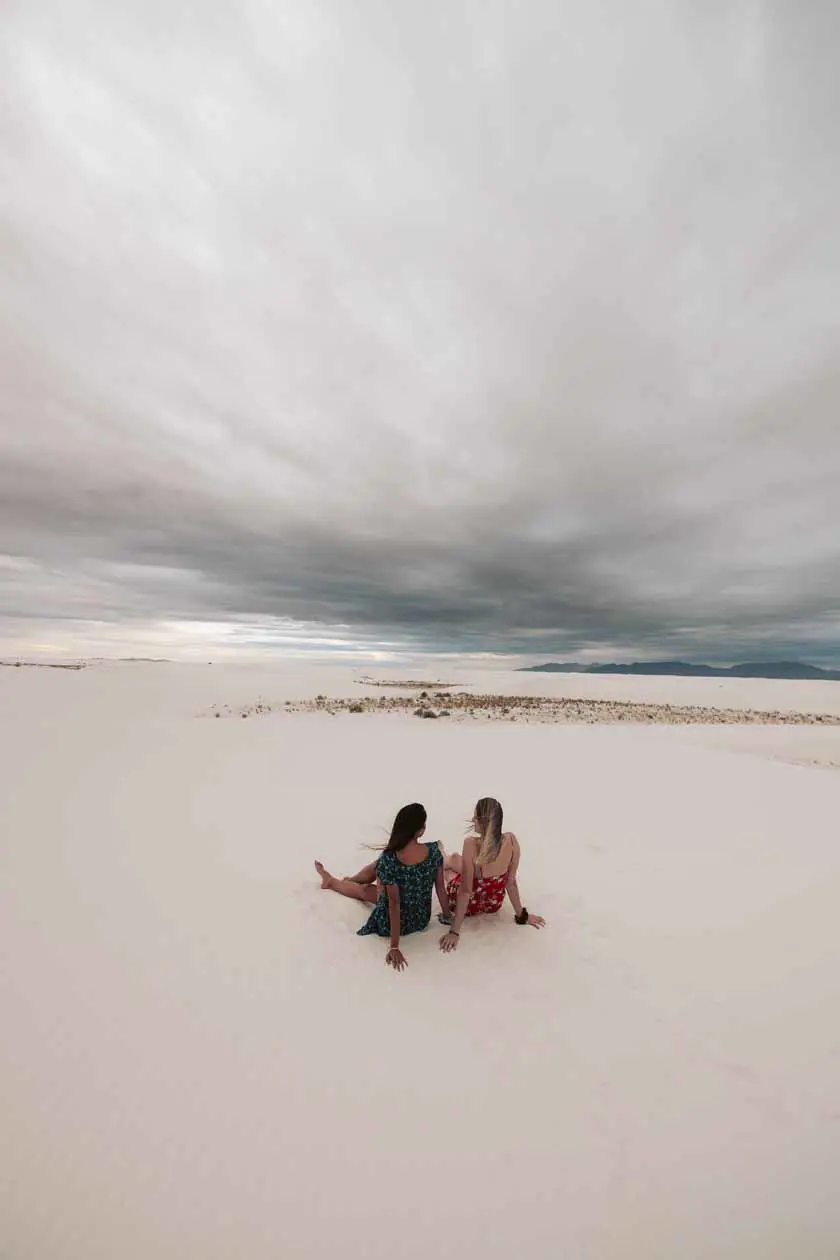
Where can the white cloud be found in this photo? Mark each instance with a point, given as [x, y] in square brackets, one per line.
[469, 328]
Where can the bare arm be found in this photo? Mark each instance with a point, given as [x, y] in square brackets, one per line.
[440, 889]
[466, 886]
[394, 914]
[394, 958]
[450, 941]
[512, 888]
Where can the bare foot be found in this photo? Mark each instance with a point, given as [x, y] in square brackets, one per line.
[326, 878]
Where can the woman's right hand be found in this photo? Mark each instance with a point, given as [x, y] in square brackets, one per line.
[536, 921]
[395, 958]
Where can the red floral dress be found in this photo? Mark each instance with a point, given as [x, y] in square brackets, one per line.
[488, 893]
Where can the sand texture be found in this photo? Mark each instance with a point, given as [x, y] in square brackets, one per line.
[200, 1060]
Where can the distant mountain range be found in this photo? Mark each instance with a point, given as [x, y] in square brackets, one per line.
[766, 669]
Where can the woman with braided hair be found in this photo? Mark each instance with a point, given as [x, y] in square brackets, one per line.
[483, 874]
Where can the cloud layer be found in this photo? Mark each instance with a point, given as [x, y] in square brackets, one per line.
[477, 327]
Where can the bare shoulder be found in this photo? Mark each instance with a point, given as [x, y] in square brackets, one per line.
[510, 836]
[469, 851]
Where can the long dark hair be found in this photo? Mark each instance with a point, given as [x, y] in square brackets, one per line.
[409, 820]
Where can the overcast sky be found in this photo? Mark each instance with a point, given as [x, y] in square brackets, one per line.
[480, 325]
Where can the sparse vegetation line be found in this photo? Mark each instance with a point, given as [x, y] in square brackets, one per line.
[43, 665]
[412, 683]
[460, 706]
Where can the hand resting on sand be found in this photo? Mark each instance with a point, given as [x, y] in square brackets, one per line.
[396, 959]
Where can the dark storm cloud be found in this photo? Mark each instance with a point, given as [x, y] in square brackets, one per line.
[491, 328]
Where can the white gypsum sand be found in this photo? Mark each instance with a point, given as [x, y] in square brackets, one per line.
[200, 1059]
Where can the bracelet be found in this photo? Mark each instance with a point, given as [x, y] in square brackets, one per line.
[452, 932]
[522, 918]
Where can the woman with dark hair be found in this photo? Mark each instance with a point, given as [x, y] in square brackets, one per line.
[484, 874]
[400, 883]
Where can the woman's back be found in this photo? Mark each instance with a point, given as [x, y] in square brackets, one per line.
[415, 881]
[489, 881]
[484, 873]
[498, 864]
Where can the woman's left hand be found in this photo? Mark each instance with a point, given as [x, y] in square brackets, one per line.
[449, 942]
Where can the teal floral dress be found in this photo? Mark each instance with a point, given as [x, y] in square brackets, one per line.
[415, 884]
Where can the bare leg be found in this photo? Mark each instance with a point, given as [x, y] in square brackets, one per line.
[367, 875]
[347, 887]
[454, 862]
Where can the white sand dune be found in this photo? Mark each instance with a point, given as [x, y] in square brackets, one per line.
[200, 1060]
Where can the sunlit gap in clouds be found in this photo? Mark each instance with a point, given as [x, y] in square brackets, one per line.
[240, 640]
[199, 640]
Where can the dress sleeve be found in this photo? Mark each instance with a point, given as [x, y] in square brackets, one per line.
[386, 869]
[437, 856]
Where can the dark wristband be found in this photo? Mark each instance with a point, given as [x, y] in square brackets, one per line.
[522, 918]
